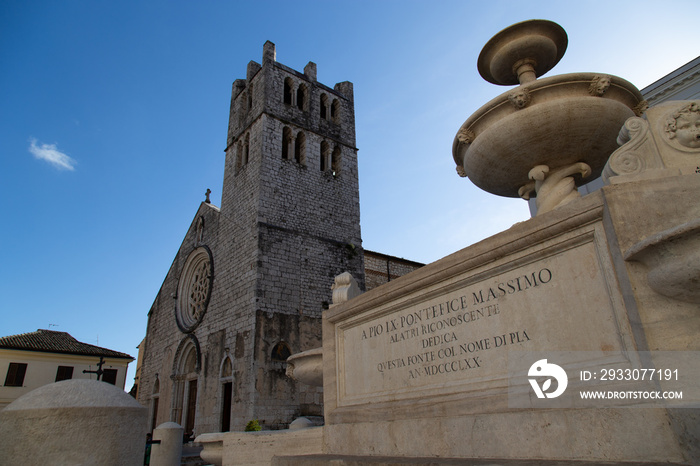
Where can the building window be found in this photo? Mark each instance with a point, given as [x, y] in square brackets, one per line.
[325, 152]
[335, 161]
[286, 142]
[15, 374]
[194, 289]
[300, 148]
[335, 111]
[288, 93]
[280, 352]
[64, 373]
[324, 107]
[246, 150]
[239, 155]
[109, 376]
[301, 97]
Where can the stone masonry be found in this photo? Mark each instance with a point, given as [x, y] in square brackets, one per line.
[251, 279]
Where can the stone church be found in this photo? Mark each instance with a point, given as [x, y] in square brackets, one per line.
[252, 277]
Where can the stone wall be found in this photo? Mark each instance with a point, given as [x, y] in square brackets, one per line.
[381, 268]
[288, 224]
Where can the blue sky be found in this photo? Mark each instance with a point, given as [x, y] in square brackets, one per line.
[113, 119]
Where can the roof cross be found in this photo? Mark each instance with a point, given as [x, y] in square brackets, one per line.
[99, 370]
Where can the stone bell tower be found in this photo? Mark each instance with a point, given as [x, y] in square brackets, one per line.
[290, 221]
[252, 277]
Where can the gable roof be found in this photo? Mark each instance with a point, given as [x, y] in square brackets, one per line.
[49, 341]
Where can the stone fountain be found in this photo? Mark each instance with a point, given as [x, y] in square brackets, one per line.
[440, 365]
[546, 136]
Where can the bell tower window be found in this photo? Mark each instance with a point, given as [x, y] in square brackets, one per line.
[288, 93]
[300, 148]
[301, 97]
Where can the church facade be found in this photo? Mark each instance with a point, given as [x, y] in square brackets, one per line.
[252, 277]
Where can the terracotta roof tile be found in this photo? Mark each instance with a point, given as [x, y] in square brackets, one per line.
[50, 341]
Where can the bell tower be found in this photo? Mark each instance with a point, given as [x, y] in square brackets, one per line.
[289, 223]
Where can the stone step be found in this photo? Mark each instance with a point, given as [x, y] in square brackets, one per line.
[346, 460]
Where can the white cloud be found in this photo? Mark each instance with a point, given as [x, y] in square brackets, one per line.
[51, 154]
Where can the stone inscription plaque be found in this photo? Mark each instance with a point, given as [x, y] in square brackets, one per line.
[457, 339]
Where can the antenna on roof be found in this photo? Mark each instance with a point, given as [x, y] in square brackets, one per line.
[52, 325]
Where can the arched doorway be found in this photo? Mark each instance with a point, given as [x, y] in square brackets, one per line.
[186, 368]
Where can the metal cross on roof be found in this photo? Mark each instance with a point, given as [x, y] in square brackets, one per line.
[99, 370]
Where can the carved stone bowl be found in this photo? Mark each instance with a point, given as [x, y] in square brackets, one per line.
[307, 367]
[555, 121]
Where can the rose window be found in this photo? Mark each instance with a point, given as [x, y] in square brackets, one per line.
[194, 289]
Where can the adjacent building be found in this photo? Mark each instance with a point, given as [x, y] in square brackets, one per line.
[30, 360]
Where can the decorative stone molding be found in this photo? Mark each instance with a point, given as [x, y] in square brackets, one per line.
[194, 289]
[555, 187]
[465, 136]
[599, 85]
[638, 152]
[683, 126]
[520, 98]
[345, 288]
[642, 154]
[178, 368]
[673, 260]
[640, 108]
[461, 172]
[199, 235]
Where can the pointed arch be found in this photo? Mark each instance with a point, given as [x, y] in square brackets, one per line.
[188, 357]
[280, 352]
[246, 150]
[286, 142]
[300, 148]
[336, 161]
[288, 91]
[325, 153]
[301, 97]
[335, 111]
[324, 107]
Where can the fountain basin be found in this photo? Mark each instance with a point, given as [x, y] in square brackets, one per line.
[555, 121]
[307, 367]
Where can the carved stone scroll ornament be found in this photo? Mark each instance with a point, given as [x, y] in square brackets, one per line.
[344, 288]
[555, 187]
[638, 152]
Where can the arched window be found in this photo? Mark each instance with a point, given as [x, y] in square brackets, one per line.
[280, 352]
[239, 155]
[325, 152]
[324, 107]
[246, 151]
[301, 97]
[335, 111]
[286, 142]
[336, 161]
[300, 148]
[288, 91]
[155, 398]
[226, 393]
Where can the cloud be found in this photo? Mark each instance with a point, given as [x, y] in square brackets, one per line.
[51, 154]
